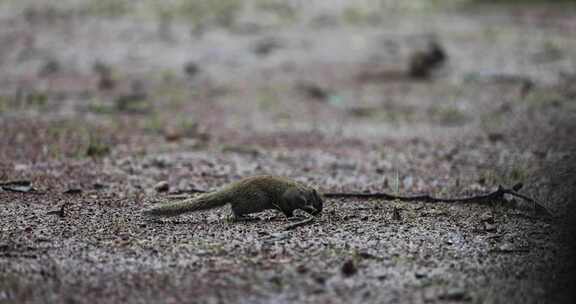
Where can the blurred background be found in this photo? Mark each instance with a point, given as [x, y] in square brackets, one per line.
[228, 70]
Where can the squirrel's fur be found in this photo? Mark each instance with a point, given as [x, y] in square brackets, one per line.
[250, 195]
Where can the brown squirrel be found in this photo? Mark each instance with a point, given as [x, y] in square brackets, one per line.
[250, 195]
[259, 193]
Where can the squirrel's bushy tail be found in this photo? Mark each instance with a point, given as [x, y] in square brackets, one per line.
[204, 202]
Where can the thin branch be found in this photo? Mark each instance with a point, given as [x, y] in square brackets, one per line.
[60, 212]
[483, 198]
[307, 221]
[188, 191]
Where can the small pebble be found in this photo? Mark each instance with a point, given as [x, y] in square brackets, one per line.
[487, 217]
[349, 268]
[162, 186]
[489, 227]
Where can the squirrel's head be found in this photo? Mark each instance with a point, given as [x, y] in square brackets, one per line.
[306, 198]
[315, 200]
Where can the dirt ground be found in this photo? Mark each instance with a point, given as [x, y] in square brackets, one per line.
[104, 103]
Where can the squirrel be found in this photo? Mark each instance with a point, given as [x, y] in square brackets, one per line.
[250, 195]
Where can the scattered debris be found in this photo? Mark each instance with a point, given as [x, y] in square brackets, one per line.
[510, 248]
[349, 216]
[454, 294]
[420, 274]
[266, 46]
[489, 227]
[366, 255]
[313, 91]
[160, 162]
[22, 186]
[302, 269]
[319, 278]
[496, 137]
[362, 111]
[97, 148]
[60, 212]
[349, 268]
[487, 217]
[172, 134]
[491, 236]
[276, 237]
[307, 221]
[162, 186]
[524, 83]
[18, 251]
[396, 214]
[381, 75]
[99, 186]
[136, 101]
[434, 213]
[50, 67]
[248, 150]
[549, 53]
[423, 62]
[191, 69]
[73, 191]
[105, 79]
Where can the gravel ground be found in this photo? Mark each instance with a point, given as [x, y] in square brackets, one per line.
[101, 101]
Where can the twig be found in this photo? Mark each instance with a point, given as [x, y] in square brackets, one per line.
[60, 212]
[188, 191]
[21, 186]
[300, 223]
[483, 198]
